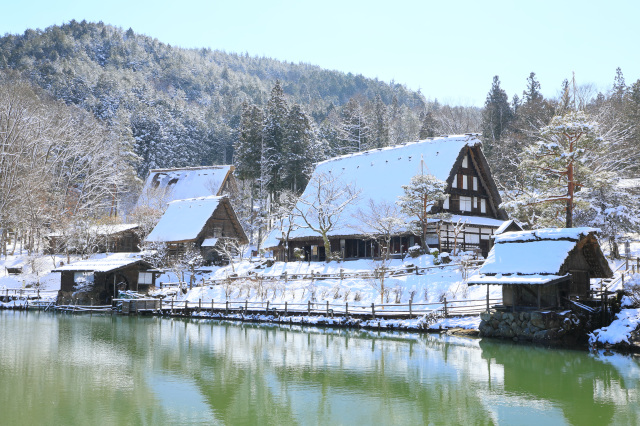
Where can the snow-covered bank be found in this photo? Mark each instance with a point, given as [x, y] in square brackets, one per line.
[416, 324]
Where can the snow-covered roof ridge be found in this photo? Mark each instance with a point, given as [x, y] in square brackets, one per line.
[194, 199]
[108, 263]
[547, 234]
[177, 169]
[470, 139]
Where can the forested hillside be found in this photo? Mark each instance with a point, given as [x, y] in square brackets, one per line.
[182, 107]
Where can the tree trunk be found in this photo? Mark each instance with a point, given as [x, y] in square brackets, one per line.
[327, 247]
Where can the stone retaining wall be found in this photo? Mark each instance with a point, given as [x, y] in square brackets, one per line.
[534, 326]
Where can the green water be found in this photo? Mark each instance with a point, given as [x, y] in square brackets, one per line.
[103, 370]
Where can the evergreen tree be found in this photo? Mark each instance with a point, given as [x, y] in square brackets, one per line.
[248, 147]
[354, 128]
[275, 133]
[496, 116]
[299, 150]
[380, 124]
[428, 127]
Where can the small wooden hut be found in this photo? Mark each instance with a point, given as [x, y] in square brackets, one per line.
[544, 268]
[101, 279]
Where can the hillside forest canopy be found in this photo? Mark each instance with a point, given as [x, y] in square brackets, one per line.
[88, 109]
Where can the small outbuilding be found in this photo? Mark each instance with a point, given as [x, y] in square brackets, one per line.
[101, 279]
[543, 268]
[198, 223]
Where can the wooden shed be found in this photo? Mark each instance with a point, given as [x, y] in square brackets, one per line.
[544, 268]
[101, 279]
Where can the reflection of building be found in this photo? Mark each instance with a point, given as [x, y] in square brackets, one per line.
[101, 279]
[544, 267]
[198, 223]
[380, 174]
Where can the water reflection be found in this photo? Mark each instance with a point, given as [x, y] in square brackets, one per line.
[113, 370]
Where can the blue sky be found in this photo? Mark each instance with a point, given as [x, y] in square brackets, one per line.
[449, 50]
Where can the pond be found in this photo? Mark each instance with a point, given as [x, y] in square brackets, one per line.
[64, 369]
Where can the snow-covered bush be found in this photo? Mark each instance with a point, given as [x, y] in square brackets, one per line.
[414, 251]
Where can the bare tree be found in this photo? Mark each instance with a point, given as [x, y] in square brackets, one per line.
[322, 204]
[285, 218]
[381, 222]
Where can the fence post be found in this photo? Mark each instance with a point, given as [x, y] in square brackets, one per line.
[267, 307]
[327, 308]
[286, 311]
[410, 310]
[246, 306]
[487, 298]
[446, 313]
[308, 307]
[286, 278]
[172, 306]
[212, 306]
[226, 307]
[373, 310]
[199, 304]
[346, 307]
[623, 280]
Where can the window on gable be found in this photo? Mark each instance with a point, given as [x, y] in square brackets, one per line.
[464, 182]
[445, 205]
[475, 183]
[465, 204]
[483, 206]
[465, 162]
[454, 184]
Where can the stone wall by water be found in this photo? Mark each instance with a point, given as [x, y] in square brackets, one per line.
[537, 326]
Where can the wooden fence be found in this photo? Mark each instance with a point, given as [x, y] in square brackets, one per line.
[444, 309]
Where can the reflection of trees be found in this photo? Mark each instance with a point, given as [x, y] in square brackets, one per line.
[248, 373]
[571, 380]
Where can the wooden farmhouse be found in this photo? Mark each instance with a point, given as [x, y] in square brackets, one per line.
[101, 279]
[113, 238]
[166, 185]
[198, 223]
[543, 268]
[379, 175]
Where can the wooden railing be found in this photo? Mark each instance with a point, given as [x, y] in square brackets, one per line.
[442, 309]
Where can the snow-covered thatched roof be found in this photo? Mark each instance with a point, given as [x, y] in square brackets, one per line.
[106, 264]
[532, 257]
[104, 230]
[380, 173]
[184, 219]
[189, 182]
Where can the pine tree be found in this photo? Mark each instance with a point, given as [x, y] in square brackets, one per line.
[380, 124]
[248, 147]
[299, 149]
[428, 127]
[354, 128]
[496, 116]
[275, 133]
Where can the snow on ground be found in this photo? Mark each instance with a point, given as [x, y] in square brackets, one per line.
[431, 287]
[619, 330]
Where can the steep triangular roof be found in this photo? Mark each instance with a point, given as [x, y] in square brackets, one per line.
[379, 174]
[539, 256]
